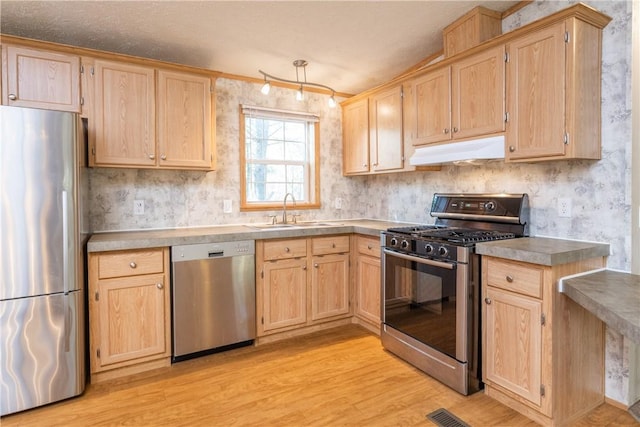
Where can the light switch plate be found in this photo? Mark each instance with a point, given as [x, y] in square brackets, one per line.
[227, 206]
[138, 207]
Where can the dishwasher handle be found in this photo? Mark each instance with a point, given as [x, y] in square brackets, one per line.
[216, 254]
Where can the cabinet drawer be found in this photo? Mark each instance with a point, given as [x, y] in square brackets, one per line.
[283, 249]
[368, 246]
[130, 263]
[523, 279]
[330, 245]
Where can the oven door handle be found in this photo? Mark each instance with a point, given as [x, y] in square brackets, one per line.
[419, 260]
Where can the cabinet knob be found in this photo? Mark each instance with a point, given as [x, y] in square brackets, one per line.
[487, 301]
[133, 264]
[333, 245]
[163, 157]
[12, 97]
[369, 247]
[152, 156]
[364, 165]
[512, 148]
[286, 249]
[315, 265]
[509, 279]
[304, 267]
[445, 130]
[455, 129]
[375, 164]
[159, 285]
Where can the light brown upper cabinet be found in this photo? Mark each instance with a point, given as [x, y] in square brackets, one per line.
[355, 137]
[184, 120]
[148, 118]
[40, 79]
[385, 127]
[124, 115]
[553, 93]
[463, 100]
[373, 140]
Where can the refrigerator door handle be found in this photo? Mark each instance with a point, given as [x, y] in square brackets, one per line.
[65, 242]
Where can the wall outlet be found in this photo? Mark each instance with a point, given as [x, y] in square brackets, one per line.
[227, 206]
[338, 203]
[138, 207]
[564, 207]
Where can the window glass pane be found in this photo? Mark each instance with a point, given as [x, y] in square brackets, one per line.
[279, 155]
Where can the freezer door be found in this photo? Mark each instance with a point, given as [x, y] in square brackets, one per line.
[38, 176]
[42, 350]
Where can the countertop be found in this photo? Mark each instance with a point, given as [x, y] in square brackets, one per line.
[543, 250]
[613, 296]
[224, 233]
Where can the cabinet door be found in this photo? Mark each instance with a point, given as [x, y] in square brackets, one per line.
[184, 120]
[355, 137]
[284, 294]
[330, 286]
[513, 343]
[386, 139]
[41, 79]
[431, 107]
[535, 95]
[124, 115]
[368, 288]
[478, 94]
[132, 316]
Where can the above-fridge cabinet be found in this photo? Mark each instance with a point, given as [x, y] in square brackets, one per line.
[43, 233]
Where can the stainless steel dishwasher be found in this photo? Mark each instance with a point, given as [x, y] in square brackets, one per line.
[213, 297]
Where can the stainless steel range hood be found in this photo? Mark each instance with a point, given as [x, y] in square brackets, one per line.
[466, 151]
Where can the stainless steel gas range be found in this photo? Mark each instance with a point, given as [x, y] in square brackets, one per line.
[431, 284]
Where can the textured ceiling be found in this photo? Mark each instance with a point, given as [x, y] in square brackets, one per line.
[350, 45]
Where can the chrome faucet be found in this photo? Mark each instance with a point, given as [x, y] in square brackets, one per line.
[284, 207]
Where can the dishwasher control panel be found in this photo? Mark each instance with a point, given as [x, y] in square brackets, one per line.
[212, 250]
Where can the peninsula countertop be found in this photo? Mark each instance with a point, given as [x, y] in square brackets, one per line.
[141, 239]
[613, 296]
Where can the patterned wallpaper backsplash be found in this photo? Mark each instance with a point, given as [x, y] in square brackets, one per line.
[600, 191]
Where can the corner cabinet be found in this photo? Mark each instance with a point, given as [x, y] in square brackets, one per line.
[553, 93]
[40, 79]
[373, 133]
[129, 312]
[543, 354]
[148, 118]
[302, 285]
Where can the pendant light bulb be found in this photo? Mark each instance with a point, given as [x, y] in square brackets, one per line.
[266, 88]
[332, 101]
[299, 94]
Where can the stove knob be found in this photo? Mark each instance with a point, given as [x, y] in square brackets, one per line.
[442, 251]
[428, 248]
[489, 206]
[394, 241]
[404, 244]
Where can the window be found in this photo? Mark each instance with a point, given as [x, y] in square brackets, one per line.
[278, 150]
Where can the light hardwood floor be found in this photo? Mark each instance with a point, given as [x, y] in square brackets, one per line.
[340, 377]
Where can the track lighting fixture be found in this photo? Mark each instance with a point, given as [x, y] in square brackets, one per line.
[298, 63]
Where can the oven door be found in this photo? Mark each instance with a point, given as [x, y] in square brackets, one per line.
[427, 300]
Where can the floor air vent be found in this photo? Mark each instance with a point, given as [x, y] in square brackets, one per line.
[444, 418]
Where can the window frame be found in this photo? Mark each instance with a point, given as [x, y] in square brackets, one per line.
[314, 163]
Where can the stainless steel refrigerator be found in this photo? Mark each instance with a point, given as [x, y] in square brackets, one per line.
[42, 333]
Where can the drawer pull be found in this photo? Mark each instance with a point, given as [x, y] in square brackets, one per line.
[286, 249]
[487, 301]
[159, 285]
[133, 264]
[509, 279]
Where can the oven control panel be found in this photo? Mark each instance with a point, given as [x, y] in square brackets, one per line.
[508, 208]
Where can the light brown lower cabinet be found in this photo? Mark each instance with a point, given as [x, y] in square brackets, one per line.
[367, 282]
[129, 312]
[301, 285]
[543, 354]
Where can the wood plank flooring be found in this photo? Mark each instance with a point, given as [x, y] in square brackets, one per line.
[339, 377]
